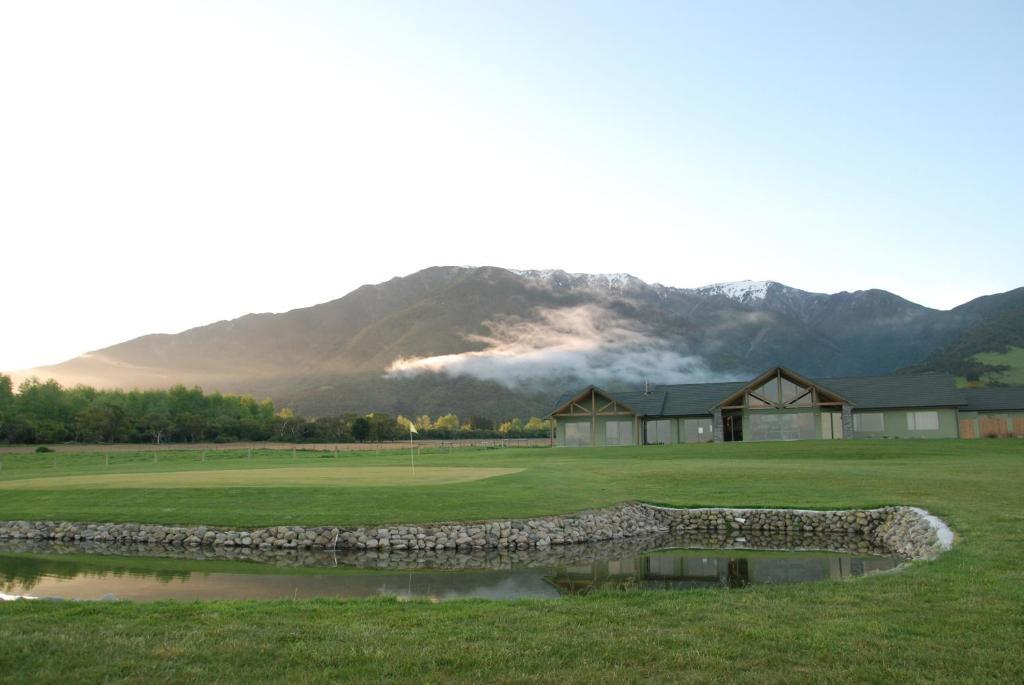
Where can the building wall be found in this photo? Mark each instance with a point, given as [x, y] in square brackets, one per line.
[895, 424]
[704, 422]
[749, 433]
[984, 424]
[602, 430]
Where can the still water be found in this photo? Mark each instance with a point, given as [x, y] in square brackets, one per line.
[54, 570]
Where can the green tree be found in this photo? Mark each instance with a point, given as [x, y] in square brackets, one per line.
[101, 421]
[360, 428]
[382, 427]
[6, 402]
[156, 424]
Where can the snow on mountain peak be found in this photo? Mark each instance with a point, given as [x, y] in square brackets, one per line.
[743, 291]
[559, 278]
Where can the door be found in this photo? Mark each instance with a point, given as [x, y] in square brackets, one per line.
[733, 425]
[837, 426]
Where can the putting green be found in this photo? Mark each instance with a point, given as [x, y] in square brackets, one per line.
[351, 476]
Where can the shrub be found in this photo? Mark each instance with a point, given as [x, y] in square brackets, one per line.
[43, 448]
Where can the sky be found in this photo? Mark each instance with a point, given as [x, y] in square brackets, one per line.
[169, 164]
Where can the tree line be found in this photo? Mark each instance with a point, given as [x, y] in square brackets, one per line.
[46, 412]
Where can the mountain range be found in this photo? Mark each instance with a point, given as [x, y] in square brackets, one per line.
[498, 342]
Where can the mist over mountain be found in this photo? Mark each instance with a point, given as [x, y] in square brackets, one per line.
[492, 341]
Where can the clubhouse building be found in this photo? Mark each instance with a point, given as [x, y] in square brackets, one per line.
[780, 404]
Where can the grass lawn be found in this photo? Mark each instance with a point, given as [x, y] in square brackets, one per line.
[957, 619]
[285, 476]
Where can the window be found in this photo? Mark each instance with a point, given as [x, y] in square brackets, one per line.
[923, 420]
[696, 430]
[779, 391]
[869, 423]
[770, 390]
[577, 434]
[765, 394]
[782, 426]
[658, 432]
[618, 433]
[790, 390]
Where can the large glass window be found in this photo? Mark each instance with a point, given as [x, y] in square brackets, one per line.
[923, 420]
[782, 426]
[618, 432]
[697, 430]
[769, 391]
[869, 423]
[779, 391]
[790, 390]
[658, 432]
[577, 434]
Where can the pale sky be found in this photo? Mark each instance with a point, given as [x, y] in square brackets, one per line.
[166, 165]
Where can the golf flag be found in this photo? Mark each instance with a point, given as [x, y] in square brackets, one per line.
[412, 429]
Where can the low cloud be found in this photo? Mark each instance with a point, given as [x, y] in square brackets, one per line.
[587, 342]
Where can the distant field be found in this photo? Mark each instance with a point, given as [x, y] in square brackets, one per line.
[1014, 358]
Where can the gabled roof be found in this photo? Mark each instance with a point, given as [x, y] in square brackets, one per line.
[895, 391]
[993, 399]
[863, 392]
[783, 372]
[569, 397]
[643, 403]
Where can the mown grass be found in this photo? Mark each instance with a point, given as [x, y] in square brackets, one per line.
[957, 619]
[284, 476]
[551, 481]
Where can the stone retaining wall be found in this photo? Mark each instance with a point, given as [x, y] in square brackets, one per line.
[904, 531]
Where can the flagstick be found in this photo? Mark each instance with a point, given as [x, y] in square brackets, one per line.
[412, 453]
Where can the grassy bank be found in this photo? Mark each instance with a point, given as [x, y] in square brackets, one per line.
[960, 618]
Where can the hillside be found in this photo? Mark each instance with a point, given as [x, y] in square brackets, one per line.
[990, 348]
[501, 342]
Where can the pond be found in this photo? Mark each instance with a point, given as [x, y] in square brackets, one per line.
[90, 571]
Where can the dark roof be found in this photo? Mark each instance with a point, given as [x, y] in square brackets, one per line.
[643, 403]
[697, 399]
[889, 392]
[864, 392]
[564, 398]
[993, 399]
[620, 397]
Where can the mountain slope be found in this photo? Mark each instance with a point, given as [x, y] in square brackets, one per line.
[500, 342]
[990, 347]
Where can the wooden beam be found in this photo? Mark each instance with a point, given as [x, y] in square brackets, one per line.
[593, 418]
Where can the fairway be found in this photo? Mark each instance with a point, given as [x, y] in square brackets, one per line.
[310, 476]
[959, 618]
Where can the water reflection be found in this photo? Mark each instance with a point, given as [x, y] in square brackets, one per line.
[152, 572]
[686, 569]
